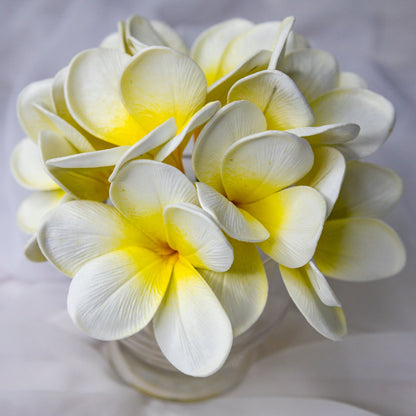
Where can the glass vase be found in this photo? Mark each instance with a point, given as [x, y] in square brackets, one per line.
[140, 363]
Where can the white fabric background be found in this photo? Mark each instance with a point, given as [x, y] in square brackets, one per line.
[47, 367]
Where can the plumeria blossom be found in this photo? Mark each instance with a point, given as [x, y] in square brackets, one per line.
[137, 261]
[121, 99]
[245, 174]
[236, 48]
[355, 245]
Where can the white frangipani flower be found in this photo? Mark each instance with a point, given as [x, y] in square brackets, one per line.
[139, 261]
[354, 246]
[245, 173]
[121, 99]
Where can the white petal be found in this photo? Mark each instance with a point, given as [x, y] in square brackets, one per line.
[79, 231]
[373, 113]
[315, 72]
[328, 320]
[296, 42]
[283, 32]
[230, 124]
[294, 218]
[244, 46]
[32, 251]
[117, 294]
[69, 132]
[368, 191]
[208, 49]
[220, 88]
[195, 236]
[33, 209]
[359, 249]
[28, 168]
[237, 223]
[181, 140]
[31, 120]
[152, 141]
[169, 36]
[93, 97]
[141, 29]
[350, 80]
[112, 41]
[86, 175]
[277, 96]
[160, 83]
[191, 327]
[143, 188]
[261, 164]
[326, 175]
[242, 290]
[329, 134]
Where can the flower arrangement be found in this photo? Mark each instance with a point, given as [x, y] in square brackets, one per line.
[278, 135]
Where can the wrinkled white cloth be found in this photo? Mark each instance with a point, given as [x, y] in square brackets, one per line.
[47, 367]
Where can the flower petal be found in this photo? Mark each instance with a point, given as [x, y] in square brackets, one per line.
[28, 169]
[315, 72]
[196, 237]
[367, 191]
[208, 49]
[116, 295]
[359, 249]
[169, 36]
[85, 175]
[143, 188]
[93, 98]
[328, 320]
[350, 80]
[261, 164]
[220, 88]
[277, 96]
[152, 141]
[242, 290]
[190, 326]
[33, 209]
[68, 131]
[261, 36]
[160, 83]
[296, 42]
[236, 222]
[330, 134]
[142, 31]
[230, 124]
[181, 140]
[33, 252]
[294, 218]
[285, 28]
[79, 231]
[373, 113]
[31, 120]
[113, 41]
[326, 175]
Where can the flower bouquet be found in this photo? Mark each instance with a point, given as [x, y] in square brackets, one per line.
[277, 133]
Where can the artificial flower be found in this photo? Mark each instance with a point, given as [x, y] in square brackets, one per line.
[355, 245]
[245, 174]
[137, 261]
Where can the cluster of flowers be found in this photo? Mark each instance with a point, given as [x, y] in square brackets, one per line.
[278, 132]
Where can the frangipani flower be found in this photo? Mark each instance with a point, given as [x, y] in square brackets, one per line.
[236, 48]
[137, 33]
[317, 102]
[120, 99]
[354, 246]
[245, 173]
[138, 261]
[56, 158]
